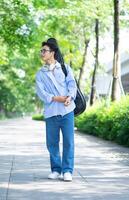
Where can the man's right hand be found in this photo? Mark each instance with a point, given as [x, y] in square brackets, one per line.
[61, 99]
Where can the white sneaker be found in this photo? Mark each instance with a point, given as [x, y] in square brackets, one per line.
[67, 176]
[54, 175]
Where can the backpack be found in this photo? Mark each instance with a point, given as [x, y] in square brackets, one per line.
[80, 100]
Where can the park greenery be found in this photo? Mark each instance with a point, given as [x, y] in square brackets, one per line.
[24, 24]
[107, 122]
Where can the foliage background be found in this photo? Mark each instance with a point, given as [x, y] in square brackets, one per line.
[24, 24]
[108, 122]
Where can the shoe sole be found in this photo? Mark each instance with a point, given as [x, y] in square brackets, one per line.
[67, 180]
[59, 177]
[53, 178]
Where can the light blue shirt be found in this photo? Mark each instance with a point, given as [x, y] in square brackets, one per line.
[54, 83]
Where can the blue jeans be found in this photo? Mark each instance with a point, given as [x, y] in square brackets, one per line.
[53, 126]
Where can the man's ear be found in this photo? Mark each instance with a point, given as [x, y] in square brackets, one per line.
[53, 53]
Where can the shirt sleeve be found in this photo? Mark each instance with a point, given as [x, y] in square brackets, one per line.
[71, 83]
[40, 91]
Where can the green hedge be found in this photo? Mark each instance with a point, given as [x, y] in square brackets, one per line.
[38, 117]
[111, 123]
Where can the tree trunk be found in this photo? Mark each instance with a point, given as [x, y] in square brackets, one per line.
[82, 69]
[116, 60]
[93, 84]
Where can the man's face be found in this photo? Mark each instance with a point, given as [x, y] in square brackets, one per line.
[46, 53]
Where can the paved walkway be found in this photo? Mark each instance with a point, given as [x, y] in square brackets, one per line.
[101, 167]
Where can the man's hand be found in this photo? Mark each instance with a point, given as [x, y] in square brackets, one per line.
[61, 99]
[67, 101]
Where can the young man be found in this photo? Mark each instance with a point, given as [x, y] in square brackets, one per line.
[58, 92]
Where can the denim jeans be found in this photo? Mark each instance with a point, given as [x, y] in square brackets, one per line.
[53, 126]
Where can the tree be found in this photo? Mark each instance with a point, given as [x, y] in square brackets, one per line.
[82, 69]
[93, 86]
[25, 24]
[116, 60]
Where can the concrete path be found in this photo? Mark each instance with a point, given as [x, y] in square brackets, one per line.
[101, 167]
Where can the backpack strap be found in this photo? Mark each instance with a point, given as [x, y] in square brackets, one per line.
[64, 69]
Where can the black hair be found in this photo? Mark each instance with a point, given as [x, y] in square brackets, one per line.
[53, 45]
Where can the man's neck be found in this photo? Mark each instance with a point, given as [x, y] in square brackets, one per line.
[49, 62]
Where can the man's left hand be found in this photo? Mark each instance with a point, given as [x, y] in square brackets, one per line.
[68, 101]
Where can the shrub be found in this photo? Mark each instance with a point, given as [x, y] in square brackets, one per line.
[38, 117]
[111, 123]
